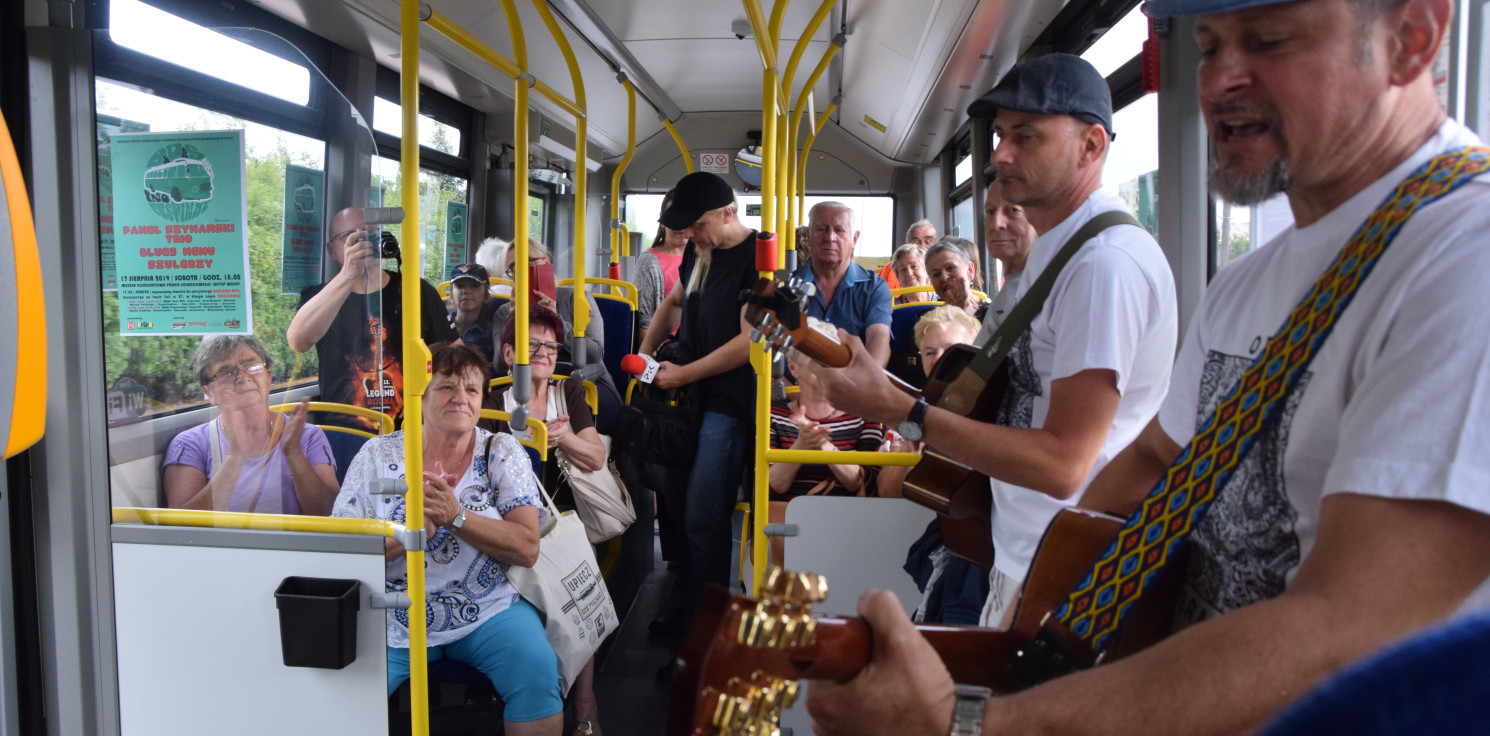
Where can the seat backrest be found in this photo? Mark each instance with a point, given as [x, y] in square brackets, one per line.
[905, 360]
[620, 333]
[344, 447]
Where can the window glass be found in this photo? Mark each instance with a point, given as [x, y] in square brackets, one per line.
[875, 217]
[152, 31]
[538, 219]
[963, 222]
[963, 171]
[1242, 229]
[435, 189]
[1133, 159]
[388, 118]
[159, 365]
[1120, 43]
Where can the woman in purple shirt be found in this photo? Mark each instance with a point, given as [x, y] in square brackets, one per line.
[249, 458]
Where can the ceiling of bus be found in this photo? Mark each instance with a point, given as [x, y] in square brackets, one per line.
[906, 75]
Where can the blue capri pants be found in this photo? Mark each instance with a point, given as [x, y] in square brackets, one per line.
[511, 649]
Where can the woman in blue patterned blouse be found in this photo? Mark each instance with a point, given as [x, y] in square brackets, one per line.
[482, 513]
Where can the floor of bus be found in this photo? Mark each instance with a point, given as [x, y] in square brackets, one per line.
[632, 699]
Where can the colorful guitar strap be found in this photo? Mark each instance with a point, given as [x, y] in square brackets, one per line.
[1153, 535]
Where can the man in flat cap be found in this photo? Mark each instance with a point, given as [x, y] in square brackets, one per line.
[718, 262]
[1091, 368]
[1358, 511]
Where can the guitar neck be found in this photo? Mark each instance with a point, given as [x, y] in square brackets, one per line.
[972, 655]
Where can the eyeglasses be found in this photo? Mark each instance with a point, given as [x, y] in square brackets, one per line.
[343, 234]
[531, 260]
[552, 348]
[231, 374]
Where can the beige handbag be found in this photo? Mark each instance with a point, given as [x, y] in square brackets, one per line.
[600, 496]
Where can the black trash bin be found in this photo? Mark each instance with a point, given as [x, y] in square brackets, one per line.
[318, 621]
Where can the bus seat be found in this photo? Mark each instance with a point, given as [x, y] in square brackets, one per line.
[905, 359]
[620, 333]
[344, 447]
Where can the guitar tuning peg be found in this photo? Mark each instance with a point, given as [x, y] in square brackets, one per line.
[755, 334]
[786, 344]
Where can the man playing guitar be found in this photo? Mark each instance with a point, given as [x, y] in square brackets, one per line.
[1361, 512]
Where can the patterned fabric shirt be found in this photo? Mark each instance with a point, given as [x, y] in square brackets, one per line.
[465, 587]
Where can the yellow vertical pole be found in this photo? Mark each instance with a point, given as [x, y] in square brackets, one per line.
[416, 359]
[806, 149]
[581, 171]
[682, 147]
[617, 240]
[520, 388]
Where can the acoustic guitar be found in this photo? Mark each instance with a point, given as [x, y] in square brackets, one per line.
[740, 663]
[959, 495]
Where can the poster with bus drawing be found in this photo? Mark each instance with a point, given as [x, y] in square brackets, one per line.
[181, 241]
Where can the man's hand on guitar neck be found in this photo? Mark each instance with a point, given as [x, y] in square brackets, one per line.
[905, 689]
[862, 387]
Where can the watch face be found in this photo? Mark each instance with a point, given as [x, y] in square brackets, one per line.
[909, 430]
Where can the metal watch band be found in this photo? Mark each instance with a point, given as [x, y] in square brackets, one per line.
[967, 712]
[459, 520]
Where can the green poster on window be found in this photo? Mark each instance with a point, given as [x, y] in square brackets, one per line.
[109, 125]
[455, 234]
[181, 241]
[304, 210]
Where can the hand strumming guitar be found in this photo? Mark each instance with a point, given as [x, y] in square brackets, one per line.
[861, 388]
[904, 689]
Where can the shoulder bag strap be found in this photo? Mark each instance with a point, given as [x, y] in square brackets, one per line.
[964, 390]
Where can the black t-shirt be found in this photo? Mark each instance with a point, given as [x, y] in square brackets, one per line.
[349, 361]
[711, 318]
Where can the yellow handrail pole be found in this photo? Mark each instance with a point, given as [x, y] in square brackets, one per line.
[616, 228]
[581, 310]
[792, 215]
[687, 157]
[758, 27]
[817, 73]
[245, 520]
[470, 43]
[416, 359]
[521, 388]
[806, 149]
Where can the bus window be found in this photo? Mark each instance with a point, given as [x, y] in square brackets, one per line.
[875, 215]
[151, 371]
[436, 189]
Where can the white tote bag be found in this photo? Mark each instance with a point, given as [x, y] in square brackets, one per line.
[600, 496]
[566, 587]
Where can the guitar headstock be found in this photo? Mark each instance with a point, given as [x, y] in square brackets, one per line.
[778, 312]
[742, 660]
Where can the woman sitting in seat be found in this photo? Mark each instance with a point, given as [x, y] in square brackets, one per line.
[249, 458]
[482, 513]
[808, 422]
[571, 431]
[909, 265]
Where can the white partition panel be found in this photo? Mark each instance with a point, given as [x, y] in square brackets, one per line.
[857, 544]
[198, 634]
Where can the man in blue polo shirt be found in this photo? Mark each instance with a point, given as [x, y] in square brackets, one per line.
[848, 295]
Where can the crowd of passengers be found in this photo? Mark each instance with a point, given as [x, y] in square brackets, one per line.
[482, 507]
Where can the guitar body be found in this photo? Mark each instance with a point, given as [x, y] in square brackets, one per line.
[958, 494]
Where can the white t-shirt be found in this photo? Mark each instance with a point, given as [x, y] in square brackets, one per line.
[1396, 403]
[1112, 307]
[465, 586]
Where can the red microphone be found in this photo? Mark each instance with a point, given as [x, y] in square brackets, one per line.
[641, 366]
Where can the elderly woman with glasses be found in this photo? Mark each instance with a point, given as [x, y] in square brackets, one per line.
[571, 431]
[593, 367]
[249, 458]
[482, 515]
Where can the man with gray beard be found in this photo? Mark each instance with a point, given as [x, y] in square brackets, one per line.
[1360, 513]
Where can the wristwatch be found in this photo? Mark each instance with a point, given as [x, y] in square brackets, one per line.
[913, 426]
[967, 712]
[459, 520]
